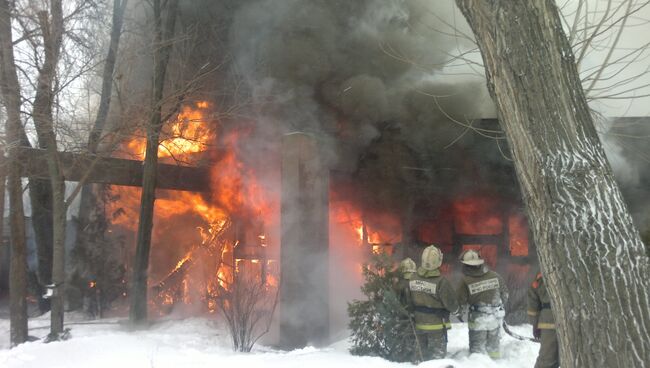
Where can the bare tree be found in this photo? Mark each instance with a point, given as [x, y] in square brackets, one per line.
[10, 89]
[163, 33]
[248, 305]
[51, 27]
[591, 253]
[599, 28]
[119, 6]
[43, 33]
[88, 217]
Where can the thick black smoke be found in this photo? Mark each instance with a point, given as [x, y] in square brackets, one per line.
[343, 68]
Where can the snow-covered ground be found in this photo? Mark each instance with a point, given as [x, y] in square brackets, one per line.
[199, 342]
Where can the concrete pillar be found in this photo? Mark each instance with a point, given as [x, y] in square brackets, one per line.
[304, 255]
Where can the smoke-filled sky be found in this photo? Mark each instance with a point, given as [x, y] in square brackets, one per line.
[346, 66]
[348, 69]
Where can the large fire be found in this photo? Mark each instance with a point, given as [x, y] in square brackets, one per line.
[196, 235]
[202, 241]
[486, 222]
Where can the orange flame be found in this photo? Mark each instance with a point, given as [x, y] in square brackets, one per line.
[477, 215]
[187, 134]
[236, 194]
[384, 230]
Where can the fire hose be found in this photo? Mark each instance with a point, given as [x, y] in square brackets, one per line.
[506, 328]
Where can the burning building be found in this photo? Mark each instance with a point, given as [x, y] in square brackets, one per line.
[343, 130]
[311, 237]
[322, 145]
[346, 128]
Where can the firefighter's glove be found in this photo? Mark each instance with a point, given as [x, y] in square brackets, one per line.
[460, 317]
[537, 333]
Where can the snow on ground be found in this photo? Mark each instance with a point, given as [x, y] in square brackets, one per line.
[199, 342]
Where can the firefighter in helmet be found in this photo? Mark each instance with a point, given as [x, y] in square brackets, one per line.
[543, 321]
[433, 299]
[484, 294]
[407, 269]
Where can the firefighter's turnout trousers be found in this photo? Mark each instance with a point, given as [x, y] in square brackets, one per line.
[432, 337]
[433, 299]
[548, 351]
[484, 322]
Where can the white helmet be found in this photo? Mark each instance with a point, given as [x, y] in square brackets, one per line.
[471, 257]
[431, 258]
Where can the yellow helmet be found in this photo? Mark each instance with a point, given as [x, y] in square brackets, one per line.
[471, 257]
[431, 258]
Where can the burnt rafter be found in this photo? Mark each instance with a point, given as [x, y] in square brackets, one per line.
[115, 171]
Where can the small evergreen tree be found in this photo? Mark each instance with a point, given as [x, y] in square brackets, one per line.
[381, 325]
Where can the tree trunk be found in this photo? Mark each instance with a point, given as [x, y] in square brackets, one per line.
[162, 50]
[3, 190]
[40, 196]
[52, 30]
[119, 6]
[590, 252]
[89, 200]
[11, 95]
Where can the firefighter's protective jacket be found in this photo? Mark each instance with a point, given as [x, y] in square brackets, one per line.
[485, 294]
[539, 305]
[433, 299]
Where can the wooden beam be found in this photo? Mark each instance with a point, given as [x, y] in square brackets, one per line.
[115, 171]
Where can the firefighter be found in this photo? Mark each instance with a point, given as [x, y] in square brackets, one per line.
[483, 293]
[432, 299]
[407, 269]
[543, 321]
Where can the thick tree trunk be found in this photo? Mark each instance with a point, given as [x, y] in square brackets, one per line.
[11, 97]
[3, 180]
[52, 29]
[592, 256]
[3, 188]
[162, 44]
